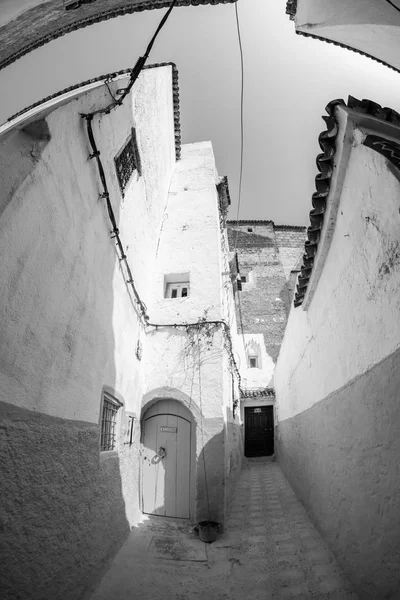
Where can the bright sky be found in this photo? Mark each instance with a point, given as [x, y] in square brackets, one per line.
[289, 80]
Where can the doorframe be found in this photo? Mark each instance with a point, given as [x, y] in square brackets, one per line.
[255, 403]
[193, 462]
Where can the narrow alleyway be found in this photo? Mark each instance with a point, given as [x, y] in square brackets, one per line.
[270, 551]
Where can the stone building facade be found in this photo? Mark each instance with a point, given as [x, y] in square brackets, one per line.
[118, 377]
[268, 258]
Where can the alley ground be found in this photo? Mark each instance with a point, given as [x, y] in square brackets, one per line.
[270, 550]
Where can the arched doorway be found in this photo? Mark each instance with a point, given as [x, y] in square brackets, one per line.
[167, 465]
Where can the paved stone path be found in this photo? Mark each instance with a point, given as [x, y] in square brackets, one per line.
[270, 551]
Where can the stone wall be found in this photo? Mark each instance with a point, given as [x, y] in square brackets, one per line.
[269, 254]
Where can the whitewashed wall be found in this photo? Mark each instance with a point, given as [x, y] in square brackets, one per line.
[365, 25]
[337, 378]
[65, 311]
[352, 322]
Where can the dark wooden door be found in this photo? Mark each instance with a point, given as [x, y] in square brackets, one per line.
[259, 431]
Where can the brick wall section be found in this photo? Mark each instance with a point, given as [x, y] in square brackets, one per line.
[271, 253]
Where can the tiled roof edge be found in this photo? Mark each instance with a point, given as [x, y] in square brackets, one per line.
[248, 221]
[266, 392]
[175, 95]
[297, 227]
[291, 9]
[255, 222]
[327, 142]
[105, 15]
[346, 47]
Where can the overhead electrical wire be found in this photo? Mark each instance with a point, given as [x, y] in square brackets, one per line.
[394, 6]
[141, 61]
[241, 120]
[239, 37]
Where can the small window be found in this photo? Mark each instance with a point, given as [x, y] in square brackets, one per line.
[127, 161]
[250, 229]
[253, 362]
[177, 290]
[109, 422]
[243, 278]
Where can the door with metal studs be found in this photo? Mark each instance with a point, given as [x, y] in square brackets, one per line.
[166, 460]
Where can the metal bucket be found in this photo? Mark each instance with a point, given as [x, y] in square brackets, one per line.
[208, 531]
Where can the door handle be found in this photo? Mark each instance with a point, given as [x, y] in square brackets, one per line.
[161, 452]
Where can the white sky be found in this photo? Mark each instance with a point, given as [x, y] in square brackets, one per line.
[289, 80]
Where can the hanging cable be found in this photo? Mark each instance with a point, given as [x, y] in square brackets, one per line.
[241, 120]
[141, 61]
[392, 4]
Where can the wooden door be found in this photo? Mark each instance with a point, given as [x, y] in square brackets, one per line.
[166, 462]
[259, 431]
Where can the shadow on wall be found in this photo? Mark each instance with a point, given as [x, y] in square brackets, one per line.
[63, 512]
[178, 482]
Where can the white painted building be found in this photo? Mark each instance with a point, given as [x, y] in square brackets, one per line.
[118, 376]
[368, 27]
[337, 375]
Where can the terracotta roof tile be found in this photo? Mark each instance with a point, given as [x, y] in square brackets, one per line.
[327, 142]
[265, 392]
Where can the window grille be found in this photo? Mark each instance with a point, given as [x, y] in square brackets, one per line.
[127, 161]
[109, 422]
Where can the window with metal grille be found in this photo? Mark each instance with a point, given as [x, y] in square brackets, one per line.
[127, 161]
[109, 422]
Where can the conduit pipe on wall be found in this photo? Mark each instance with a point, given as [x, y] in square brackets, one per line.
[115, 231]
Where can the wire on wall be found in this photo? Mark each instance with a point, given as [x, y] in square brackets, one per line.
[241, 120]
[96, 154]
[198, 325]
[114, 231]
[141, 61]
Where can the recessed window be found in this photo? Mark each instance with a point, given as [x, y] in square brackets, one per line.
[127, 161]
[250, 229]
[176, 285]
[109, 412]
[253, 362]
[177, 290]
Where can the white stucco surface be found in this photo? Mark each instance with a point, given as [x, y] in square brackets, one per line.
[190, 242]
[260, 377]
[69, 324]
[352, 322]
[365, 25]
